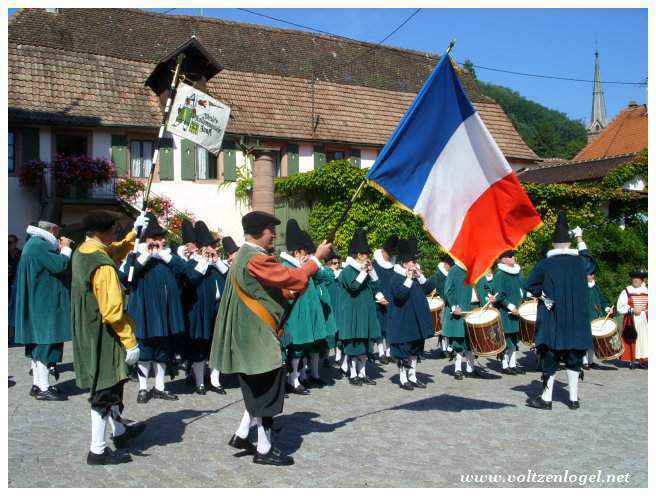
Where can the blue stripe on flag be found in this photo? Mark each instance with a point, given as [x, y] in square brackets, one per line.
[403, 165]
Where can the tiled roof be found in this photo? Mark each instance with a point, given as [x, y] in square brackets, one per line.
[627, 133]
[61, 86]
[574, 171]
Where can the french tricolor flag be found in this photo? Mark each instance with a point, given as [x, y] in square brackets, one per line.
[443, 165]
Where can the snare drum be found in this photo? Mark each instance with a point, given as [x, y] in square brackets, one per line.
[606, 339]
[528, 314]
[485, 333]
[436, 305]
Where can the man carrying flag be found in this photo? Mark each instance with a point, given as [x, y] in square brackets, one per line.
[442, 137]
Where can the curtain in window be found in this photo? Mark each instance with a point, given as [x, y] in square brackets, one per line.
[135, 154]
[147, 161]
[201, 163]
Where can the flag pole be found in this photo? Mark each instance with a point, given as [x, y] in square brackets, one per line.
[162, 128]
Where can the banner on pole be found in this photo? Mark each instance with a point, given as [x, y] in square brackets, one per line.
[198, 117]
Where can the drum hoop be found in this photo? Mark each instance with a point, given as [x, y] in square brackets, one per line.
[616, 355]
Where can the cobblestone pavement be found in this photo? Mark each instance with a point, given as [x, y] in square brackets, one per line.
[346, 436]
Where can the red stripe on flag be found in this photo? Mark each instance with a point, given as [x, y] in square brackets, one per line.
[497, 221]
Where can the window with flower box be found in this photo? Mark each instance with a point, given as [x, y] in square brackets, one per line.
[141, 158]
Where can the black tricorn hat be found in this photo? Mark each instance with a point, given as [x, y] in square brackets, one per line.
[332, 255]
[203, 235]
[414, 246]
[255, 222]
[391, 245]
[359, 243]
[53, 212]
[188, 232]
[154, 230]
[640, 274]
[446, 258]
[294, 239]
[561, 231]
[100, 220]
[229, 245]
[406, 251]
[310, 247]
[507, 254]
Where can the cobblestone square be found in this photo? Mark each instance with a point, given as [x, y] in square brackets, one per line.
[346, 436]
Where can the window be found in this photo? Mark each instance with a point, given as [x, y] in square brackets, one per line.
[71, 144]
[11, 151]
[141, 155]
[205, 164]
[335, 155]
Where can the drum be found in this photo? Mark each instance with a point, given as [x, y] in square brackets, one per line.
[528, 314]
[485, 333]
[436, 305]
[606, 339]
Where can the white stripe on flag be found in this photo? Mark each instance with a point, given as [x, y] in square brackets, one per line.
[469, 164]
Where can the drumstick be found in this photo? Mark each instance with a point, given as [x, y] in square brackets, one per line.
[607, 315]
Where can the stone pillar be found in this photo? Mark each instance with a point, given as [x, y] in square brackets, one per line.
[263, 175]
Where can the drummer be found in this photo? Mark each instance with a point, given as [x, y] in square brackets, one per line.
[459, 298]
[410, 321]
[508, 281]
[599, 308]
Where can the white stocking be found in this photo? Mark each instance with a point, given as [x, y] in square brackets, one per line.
[338, 355]
[381, 349]
[458, 362]
[42, 376]
[362, 372]
[470, 361]
[199, 373]
[345, 364]
[504, 362]
[444, 344]
[263, 442]
[117, 427]
[403, 376]
[513, 359]
[354, 374]
[98, 427]
[585, 359]
[548, 391]
[589, 356]
[144, 368]
[215, 378]
[35, 377]
[573, 384]
[412, 373]
[244, 425]
[160, 370]
[293, 377]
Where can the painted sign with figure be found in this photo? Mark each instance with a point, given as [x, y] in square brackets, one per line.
[198, 117]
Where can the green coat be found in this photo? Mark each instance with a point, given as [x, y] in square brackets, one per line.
[306, 323]
[438, 279]
[597, 302]
[509, 287]
[456, 292]
[325, 281]
[358, 319]
[43, 305]
[98, 357]
[242, 342]
[484, 287]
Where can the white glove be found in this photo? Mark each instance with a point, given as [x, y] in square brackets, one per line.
[142, 221]
[608, 309]
[132, 355]
[549, 303]
[165, 255]
[577, 232]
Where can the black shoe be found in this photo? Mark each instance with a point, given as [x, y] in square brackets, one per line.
[201, 390]
[539, 403]
[217, 390]
[300, 389]
[164, 395]
[189, 380]
[273, 457]
[518, 371]
[418, 384]
[508, 371]
[326, 363]
[458, 376]
[143, 396]
[585, 366]
[355, 381]
[34, 390]
[407, 386]
[241, 444]
[368, 381]
[383, 360]
[50, 394]
[131, 431]
[581, 375]
[477, 374]
[440, 354]
[595, 365]
[318, 383]
[573, 405]
[108, 457]
[342, 374]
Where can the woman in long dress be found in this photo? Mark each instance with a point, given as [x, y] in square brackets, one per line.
[633, 304]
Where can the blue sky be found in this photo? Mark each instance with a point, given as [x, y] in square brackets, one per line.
[557, 42]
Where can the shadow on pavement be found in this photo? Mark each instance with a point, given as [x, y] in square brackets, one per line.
[298, 424]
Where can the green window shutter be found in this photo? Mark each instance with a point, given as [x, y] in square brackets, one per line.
[229, 161]
[319, 157]
[188, 156]
[30, 146]
[166, 159]
[292, 159]
[355, 158]
[120, 154]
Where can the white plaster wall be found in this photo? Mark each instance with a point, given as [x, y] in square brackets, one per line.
[637, 184]
[367, 157]
[214, 205]
[305, 158]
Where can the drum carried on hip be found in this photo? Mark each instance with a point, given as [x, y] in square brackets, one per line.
[485, 332]
[606, 339]
[436, 305]
[528, 314]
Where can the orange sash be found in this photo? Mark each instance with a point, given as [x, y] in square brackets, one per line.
[257, 308]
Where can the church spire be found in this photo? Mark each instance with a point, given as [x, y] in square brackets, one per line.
[598, 119]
